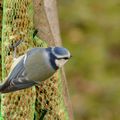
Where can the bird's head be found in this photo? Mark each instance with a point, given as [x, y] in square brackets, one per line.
[59, 56]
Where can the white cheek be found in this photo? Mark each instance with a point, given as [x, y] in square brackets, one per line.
[60, 63]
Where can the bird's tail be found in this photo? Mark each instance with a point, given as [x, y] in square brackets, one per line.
[3, 87]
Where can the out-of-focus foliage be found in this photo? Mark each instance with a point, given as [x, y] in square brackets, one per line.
[91, 30]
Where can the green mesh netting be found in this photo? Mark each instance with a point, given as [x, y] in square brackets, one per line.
[49, 100]
[17, 24]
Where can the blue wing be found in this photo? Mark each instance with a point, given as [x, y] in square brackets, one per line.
[17, 79]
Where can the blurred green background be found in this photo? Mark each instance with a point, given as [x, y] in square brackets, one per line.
[90, 29]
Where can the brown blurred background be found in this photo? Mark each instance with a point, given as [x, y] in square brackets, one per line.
[90, 29]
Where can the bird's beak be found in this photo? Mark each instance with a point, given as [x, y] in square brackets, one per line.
[70, 56]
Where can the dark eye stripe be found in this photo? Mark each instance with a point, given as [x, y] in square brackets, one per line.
[63, 58]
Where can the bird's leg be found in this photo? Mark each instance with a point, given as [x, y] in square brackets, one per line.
[14, 46]
[14, 53]
[35, 32]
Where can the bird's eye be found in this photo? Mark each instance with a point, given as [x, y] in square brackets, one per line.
[66, 58]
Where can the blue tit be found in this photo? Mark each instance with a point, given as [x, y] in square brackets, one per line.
[36, 65]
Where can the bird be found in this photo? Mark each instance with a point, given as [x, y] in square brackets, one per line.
[36, 65]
